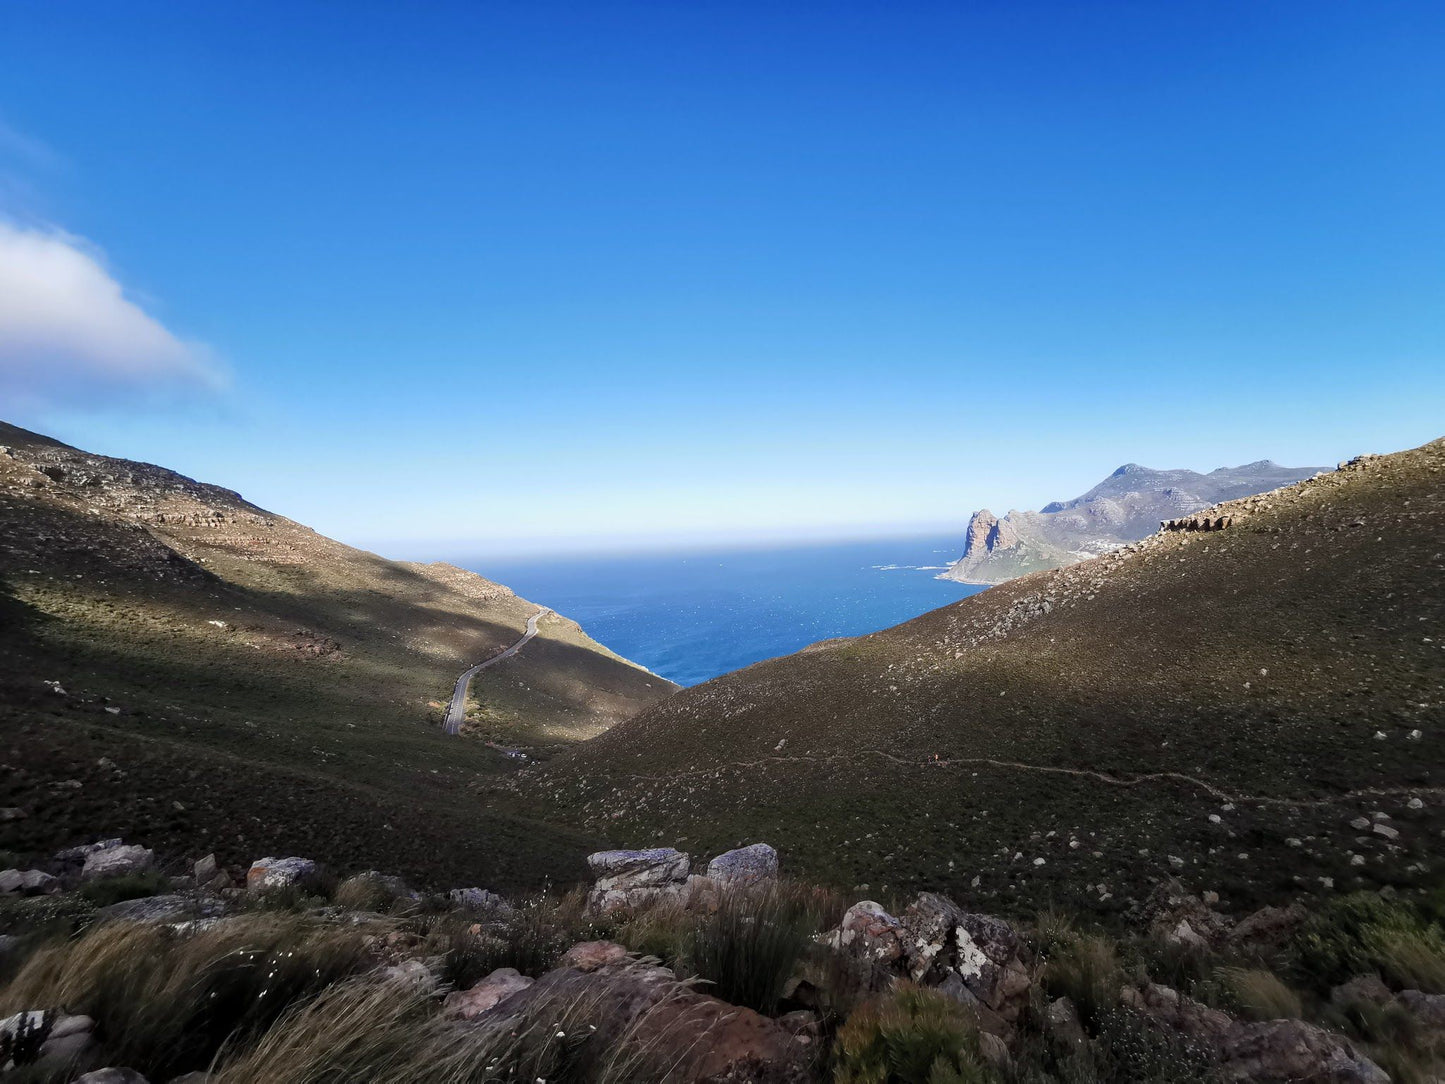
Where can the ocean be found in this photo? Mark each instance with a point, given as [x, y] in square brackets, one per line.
[692, 615]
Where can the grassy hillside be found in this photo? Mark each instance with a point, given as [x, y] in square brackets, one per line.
[231, 677]
[1218, 706]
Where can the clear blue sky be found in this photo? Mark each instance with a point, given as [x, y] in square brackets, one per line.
[438, 277]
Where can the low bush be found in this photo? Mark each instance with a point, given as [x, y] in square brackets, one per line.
[1364, 933]
[910, 1035]
[530, 939]
[127, 886]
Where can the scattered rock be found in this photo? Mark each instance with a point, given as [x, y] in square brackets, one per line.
[267, 874]
[591, 955]
[1063, 1023]
[745, 867]
[205, 870]
[486, 994]
[28, 882]
[480, 901]
[64, 1042]
[117, 861]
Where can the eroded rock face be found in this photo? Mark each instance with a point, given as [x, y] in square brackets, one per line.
[943, 941]
[745, 867]
[266, 874]
[652, 1022]
[637, 878]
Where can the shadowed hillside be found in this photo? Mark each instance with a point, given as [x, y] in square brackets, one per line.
[179, 664]
[1258, 710]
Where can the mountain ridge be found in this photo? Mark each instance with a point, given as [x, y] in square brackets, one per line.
[1126, 506]
[173, 630]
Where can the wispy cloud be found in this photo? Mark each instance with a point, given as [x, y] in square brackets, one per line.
[70, 335]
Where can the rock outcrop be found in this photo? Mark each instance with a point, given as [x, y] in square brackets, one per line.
[631, 879]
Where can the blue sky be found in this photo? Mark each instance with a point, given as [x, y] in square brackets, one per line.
[496, 277]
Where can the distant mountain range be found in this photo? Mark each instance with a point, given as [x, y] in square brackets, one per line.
[1128, 505]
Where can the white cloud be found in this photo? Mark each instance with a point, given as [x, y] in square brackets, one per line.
[69, 334]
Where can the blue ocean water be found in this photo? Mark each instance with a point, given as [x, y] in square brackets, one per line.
[691, 616]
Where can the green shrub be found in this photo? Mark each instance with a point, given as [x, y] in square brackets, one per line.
[750, 946]
[908, 1036]
[1364, 933]
[127, 886]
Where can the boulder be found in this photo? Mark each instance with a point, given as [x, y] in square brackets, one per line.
[1429, 1009]
[58, 1042]
[1363, 989]
[745, 867]
[1273, 1050]
[656, 1025]
[1061, 1020]
[486, 994]
[1178, 1012]
[267, 874]
[28, 882]
[480, 901]
[631, 879]
[1290, 1050]
[942, 940]
[591, 955]
[117, 861]
[869, 932]
[77, 855]
[205, 870]
[702, 894]
[1269, 927]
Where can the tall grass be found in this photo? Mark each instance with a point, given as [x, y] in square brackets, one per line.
[750, 946]
[1086, 970]
[164, 1001]
[1259, 994]
[361, 1031]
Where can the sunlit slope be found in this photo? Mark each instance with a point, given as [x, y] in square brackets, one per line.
[277, 680]
[1219, 706]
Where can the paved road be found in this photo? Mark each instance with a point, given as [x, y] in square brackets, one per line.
[457, 711]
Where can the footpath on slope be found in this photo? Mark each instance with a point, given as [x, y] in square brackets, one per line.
[457, 710]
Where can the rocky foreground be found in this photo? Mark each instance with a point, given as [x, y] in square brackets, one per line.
[658, 973]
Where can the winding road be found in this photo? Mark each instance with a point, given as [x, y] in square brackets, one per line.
[457, 711]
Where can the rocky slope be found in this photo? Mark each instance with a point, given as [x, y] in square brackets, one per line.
[1257, 710]
[1125, 507]
[178, 662]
